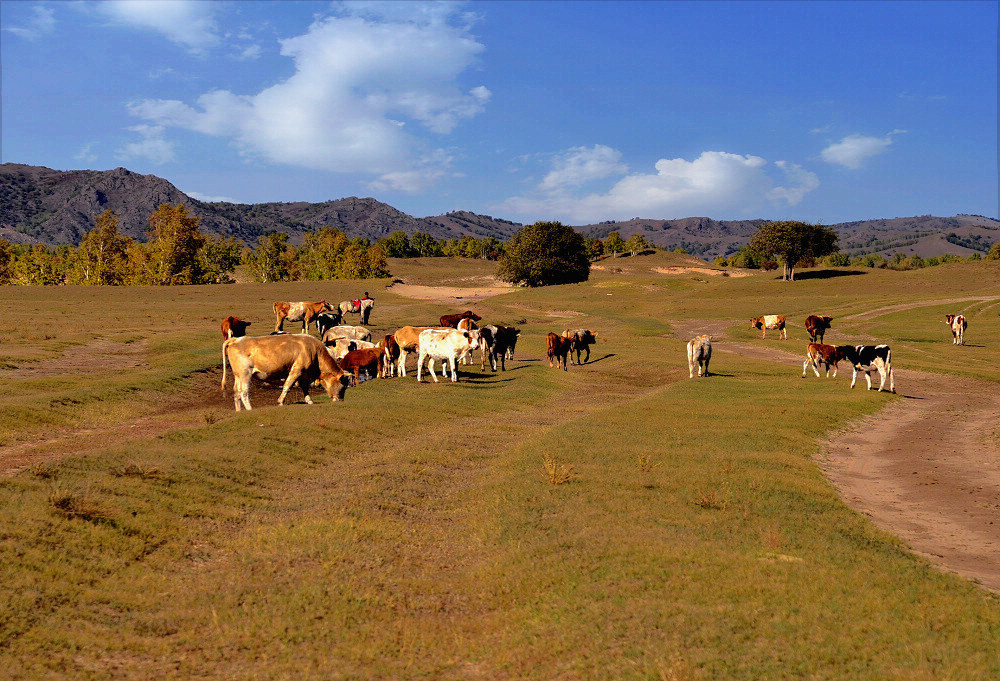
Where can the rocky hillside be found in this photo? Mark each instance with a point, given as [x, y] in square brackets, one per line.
[41, 205]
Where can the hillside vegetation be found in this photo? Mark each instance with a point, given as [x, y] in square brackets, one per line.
[613, 521]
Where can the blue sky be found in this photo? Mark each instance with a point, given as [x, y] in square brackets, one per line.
[572, 111]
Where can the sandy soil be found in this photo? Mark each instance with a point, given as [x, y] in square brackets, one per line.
[926, 468]
[442, 294]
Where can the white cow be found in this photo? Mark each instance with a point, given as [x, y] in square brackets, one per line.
[699, 353]
[341, 346]
[445, 345]
[958, 326]
[351, 332]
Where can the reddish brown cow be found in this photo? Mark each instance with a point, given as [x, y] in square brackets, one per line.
[304, 312]
[558, 348]
[368, 360]
[452, 320]
[391, 350]
[827, 355]
[234, 327]
[816, 327]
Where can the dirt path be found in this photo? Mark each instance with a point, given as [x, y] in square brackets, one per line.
[926, 468]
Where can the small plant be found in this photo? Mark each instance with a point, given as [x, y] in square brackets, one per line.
[711, 500]
[557, 473]
[44, 470]
[210, 417]
[83, 506]
[136, 471]
[646, 463]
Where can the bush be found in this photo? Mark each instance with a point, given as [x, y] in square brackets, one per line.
[545, 253]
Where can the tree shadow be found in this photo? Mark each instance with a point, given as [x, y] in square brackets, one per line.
[827, 274]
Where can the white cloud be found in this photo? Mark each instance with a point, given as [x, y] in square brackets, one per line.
[714, 183]
[152, 147]
[86, 153]
[346, 108]
[210, 199]
[853, 150]
[580, 165]
[41, 22]
[251, 52]
[189, 23]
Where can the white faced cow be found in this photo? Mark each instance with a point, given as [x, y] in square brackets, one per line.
[868, 358]
[446, 345]
[296, 358]
[958, 326]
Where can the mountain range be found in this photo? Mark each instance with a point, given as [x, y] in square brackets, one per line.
[42, 205]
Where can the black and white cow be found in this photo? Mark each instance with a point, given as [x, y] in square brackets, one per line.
[328, 320]
[498, 343]
[868, 358]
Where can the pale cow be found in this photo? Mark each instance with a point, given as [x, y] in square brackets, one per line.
[304, 312]
[296, 358]
[770, 321]
[699, 351]
[407, 338]
[958, 326]
[349, 332]
[339, 347]
[446, 345]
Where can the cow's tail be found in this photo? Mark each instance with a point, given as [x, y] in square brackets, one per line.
[225, 346]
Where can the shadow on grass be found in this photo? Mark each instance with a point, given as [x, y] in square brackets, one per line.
[599, 359]
[827, 274]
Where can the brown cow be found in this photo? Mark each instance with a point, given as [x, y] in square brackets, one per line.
[770, 321]
[958, 326]
[304, 312]
[557, 348]
[234, 327]
[451, 320]
[391, 349]
[816, 327]
[296, 358]
[827, 355]
[582, 340]
[368, 360]
[407, 339]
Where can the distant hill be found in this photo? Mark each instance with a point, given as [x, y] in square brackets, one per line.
[41, 205]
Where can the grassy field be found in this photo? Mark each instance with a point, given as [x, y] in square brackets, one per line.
[616, 521]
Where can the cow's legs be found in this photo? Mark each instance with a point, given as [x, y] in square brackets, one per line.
[854, 376]
[430, 368]
[454, 371]
[293, 377]
[707, 360]
[868, 377]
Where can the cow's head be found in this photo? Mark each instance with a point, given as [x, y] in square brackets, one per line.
[328, 307]
[335, 383]
[827, 320]
[756, 322]
[240, 327]
[469, 314]
[950, 318]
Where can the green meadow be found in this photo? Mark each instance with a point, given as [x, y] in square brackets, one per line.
[614, 521]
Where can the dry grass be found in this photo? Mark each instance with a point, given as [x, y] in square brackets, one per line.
[555, 472]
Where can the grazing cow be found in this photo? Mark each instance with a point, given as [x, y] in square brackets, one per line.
[867, 358]
[327, 320]
[827, 355]
[296, 358]
[451, 320]
[770, 321]
[557, 348]
[234, 327]
[445, 345]
[407, 338]
[391, 349]
[362, 306]
[352, 332]
[958, 326]
[699, 354]
[497, 342]
[368, 360]
[338, 347]
[816, 327]
[582, 340]
[304, 312]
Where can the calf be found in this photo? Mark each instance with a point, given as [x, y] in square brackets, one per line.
[304, 312]
[296, 358]
[770, 321]
[958, 326]
[867, 358]
[368, 360]
[498, 343]
[234, 327]
[391, 349]
[557, 348]
[816, 327]
[827, 355]
[327, 320]
[451, 320]
[699, 353]
[582, 340]
[445, 345]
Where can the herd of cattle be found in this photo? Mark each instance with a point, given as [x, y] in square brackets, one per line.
[342, 353]
[863, 358]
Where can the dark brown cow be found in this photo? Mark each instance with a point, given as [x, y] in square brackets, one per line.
[827, 355]
[234, 327]
[304, 312]
[368, 360]
[582, 340]
[391, 349]
[452, 320]
[816, 327]
[558, 348]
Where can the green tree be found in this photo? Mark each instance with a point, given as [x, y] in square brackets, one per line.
[101, 259]
[595, 248]
[38, 266]
[396, 245]
[994, 253]
[173, 246]
[219, 257]
[545, 253]
[637, 242]
[614, 244]
[425, 245]
[6, 262]
[791, 242]
[321, 254]
[268, 262]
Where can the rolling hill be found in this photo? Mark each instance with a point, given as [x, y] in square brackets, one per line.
[41, 205]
